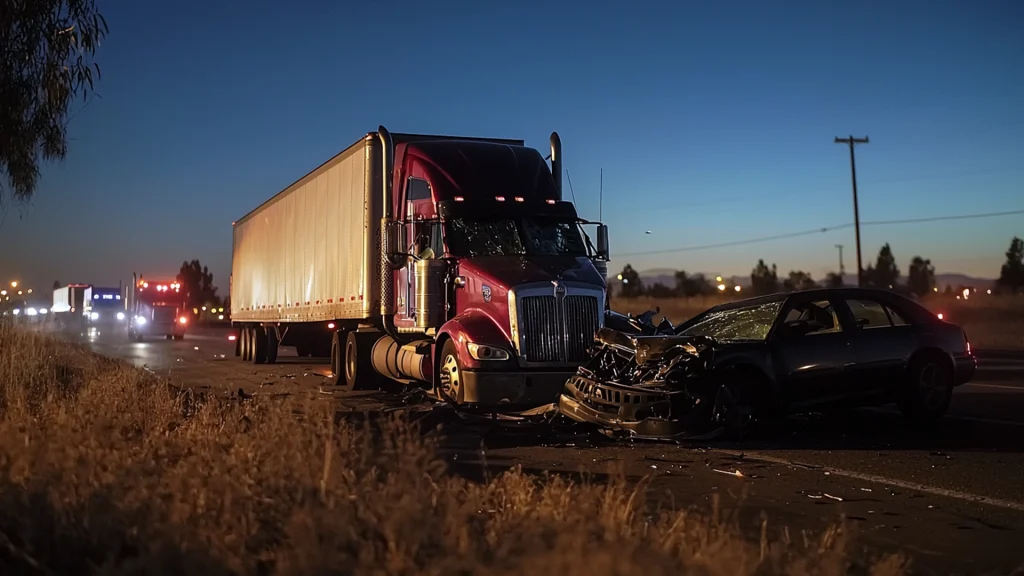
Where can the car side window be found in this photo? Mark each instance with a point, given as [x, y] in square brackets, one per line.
[810, 318]
[869, 314]
[896, 318]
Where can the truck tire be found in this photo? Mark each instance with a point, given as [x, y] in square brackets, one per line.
[449, 376]
[358, 364]
[245, 334]
[259, 345]
[338, 358]
[273, 343]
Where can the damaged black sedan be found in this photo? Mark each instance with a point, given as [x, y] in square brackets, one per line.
[770, 355]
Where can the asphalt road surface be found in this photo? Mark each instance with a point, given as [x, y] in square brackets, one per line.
[952, 496]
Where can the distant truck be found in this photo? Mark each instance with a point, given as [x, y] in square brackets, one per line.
[447, 262]
[68, 310]
[104, 307]
[156, 308]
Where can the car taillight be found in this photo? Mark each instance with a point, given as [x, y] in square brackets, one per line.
[940, 315]
[232, 337]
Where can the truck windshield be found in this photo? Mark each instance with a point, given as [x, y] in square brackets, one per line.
[517, 236]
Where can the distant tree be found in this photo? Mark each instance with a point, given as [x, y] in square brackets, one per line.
[659, 290]
[631, 284]
[56, 284]
[798, 280]
[920, 276]
[197, 281]
[833, 280]
[690, 286]
[884, 274]
[46, 62]
[764, 280]
[949, 290]
[1011, 275]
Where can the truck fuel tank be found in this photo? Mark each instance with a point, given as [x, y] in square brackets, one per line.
[431, 293]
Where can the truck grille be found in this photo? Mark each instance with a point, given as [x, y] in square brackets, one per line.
[163, 314]
[554, 332]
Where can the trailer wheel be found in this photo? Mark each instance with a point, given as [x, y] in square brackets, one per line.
[338, 358]
[359, 372]
[259, 345]
[245, 335]
[273, 342]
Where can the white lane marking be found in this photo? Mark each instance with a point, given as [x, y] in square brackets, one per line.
[999, 386]
[934, 490]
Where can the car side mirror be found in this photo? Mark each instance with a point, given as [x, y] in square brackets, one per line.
[603, 249]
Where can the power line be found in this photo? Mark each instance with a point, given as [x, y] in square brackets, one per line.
[823, 230]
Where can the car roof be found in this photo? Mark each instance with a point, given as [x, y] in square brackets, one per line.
[884, 295]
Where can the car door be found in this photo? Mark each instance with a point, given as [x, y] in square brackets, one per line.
[883, 341]
[811, 351]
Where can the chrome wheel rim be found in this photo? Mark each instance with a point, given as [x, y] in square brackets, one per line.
[450, 377]
[932, 386]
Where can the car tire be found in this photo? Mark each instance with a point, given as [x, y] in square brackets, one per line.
[928, 391]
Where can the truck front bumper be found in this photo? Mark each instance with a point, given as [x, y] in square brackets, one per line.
[512, 389]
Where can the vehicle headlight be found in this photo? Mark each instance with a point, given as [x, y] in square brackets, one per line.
[484, 352]
[95, 316]
[120, 315]
[140, 320]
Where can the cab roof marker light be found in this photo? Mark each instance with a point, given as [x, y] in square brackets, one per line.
[499, 198]
[519, 198]
[459, 198]
[550, 201]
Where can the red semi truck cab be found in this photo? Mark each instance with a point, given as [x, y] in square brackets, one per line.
[470, 275]
[156, 308]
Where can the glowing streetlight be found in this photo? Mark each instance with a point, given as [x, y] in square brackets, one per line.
[737, 288]
[3, 292]
[721, 287]
[29, 291]
[14, 283]
[718, 279]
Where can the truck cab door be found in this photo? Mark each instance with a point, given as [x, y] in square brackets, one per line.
[417, 207]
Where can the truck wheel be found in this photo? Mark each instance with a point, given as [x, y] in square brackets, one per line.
[359, 372]
[245, 335]
[259, 345]
[449, 377]
[272, 344]
[338, 358]
[179, 336]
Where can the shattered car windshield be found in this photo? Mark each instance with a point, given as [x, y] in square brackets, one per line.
[747, 323]
[520, 236]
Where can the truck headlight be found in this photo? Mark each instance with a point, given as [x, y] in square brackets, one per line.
[120, 315]
[484, 352]
[140, 320]
[95, 316]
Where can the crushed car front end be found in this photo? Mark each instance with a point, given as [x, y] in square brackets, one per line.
[647, 386]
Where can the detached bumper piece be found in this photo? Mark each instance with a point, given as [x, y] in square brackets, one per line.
[652, 387]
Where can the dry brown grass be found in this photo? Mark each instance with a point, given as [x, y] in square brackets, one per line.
[991, 322]
[104, 469]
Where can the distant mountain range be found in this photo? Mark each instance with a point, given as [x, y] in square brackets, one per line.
[667, 276]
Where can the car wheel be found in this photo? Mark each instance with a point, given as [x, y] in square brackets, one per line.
[929, 390]
[449, 377]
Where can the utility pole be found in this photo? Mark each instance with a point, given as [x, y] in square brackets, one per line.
[842, 270]
[851, 141]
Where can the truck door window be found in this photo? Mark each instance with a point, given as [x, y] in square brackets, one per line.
[417, 189]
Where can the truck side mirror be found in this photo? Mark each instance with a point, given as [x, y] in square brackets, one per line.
[603, 250]
[394, 244]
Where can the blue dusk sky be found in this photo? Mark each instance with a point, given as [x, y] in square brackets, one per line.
[713, 122]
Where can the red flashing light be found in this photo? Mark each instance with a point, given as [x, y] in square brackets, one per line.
[459, 199]
[330, 325]
[550, 201]
[232, 337]
[940, 315]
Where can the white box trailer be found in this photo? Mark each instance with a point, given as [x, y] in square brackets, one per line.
[310, 253]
